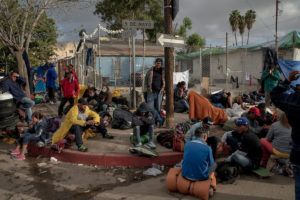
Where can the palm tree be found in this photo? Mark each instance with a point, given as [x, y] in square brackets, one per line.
[250, 19]
[242, 26]
[234, 18]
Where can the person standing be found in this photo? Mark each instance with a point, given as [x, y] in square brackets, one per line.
[290, 104]
[270, 77]
[70, 90]
[154, 87]
[50, 82]
[13, 85]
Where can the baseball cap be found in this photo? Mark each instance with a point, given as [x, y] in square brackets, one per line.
[83, 101]
[255, 111]
[208, 120]
[242, 121]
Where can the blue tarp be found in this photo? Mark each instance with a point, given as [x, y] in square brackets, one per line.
[287, 66]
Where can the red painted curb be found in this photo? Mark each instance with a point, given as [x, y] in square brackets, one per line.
[107, 159]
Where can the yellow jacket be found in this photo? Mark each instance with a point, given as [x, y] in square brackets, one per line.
[71, 119]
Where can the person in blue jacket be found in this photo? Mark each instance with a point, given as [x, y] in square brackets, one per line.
[13, 85]
[50, 82]
[290, 104]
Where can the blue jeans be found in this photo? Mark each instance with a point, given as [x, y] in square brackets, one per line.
[26, 105]
[241, 160]
[185, 104]
[154, 102]
[137, 130]
[296, 169]
[26, 138]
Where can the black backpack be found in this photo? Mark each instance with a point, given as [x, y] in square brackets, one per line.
[122, 118]
[166, 139]
[227, 172]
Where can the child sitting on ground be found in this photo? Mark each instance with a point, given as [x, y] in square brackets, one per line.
[31, 134]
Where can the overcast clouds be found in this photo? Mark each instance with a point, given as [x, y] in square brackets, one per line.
[209, 17]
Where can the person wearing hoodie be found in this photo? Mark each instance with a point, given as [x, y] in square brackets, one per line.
[143, 122]
[70, 90]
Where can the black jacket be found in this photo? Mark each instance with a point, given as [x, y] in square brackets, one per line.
[252, 146]
[139, 120]
[290, 104]
[177, 94]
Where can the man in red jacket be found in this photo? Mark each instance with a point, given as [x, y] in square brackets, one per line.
[70, 90]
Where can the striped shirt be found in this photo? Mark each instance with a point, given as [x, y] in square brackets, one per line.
[280, 136]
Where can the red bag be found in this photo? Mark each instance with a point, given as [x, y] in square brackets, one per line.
[178, 142]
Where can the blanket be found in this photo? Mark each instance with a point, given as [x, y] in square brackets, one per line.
[200, 107]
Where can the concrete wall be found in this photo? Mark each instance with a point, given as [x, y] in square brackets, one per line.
[242, 64]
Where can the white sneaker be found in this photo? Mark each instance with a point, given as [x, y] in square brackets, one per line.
[151, 145]
[51, 102]
[138, 144]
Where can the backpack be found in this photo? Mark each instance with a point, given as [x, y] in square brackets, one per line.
[122, 118]
[178, 107]
[166, 139]
[178, 142]
[228, 172]
[53, 123]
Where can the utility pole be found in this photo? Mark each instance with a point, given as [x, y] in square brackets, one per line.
[226, 61]
[144, 54]
[169, 54]
[133, 71]
[130, 67]
[99, 55]
[276, 22]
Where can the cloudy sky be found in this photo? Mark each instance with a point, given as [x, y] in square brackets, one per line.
[209, 17]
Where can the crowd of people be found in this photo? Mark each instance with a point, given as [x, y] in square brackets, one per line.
[257, 135]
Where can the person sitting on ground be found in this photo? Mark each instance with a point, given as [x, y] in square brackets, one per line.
[93, 99]
[239, 100]
[252, 115]
[226, 100]
[278, 140]
[265, 117]
[206, 124]
[70, 90]
[78, 119]
[216, 146]
[30, 135]
[198, 162]
[14, 87]
[180, 95]
[105, 97]
[143, 122]
[264, 120]
[245, 145]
